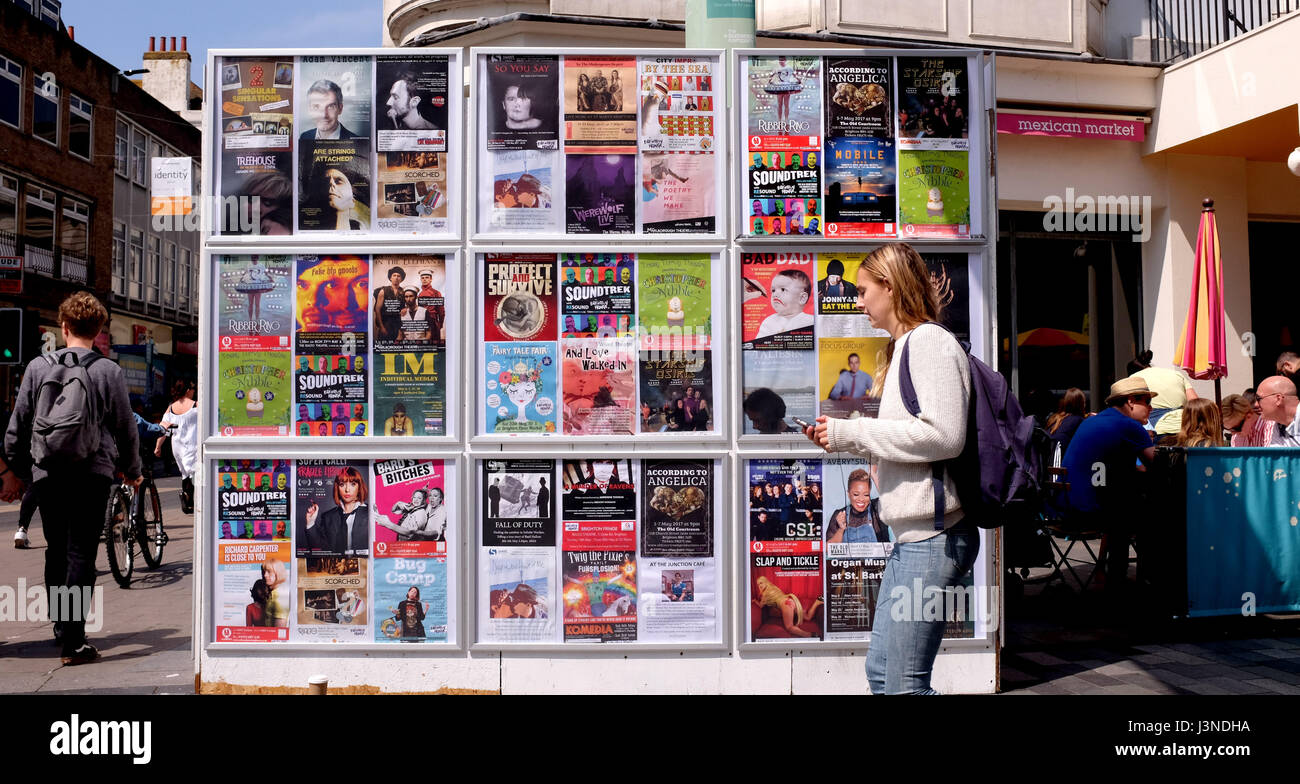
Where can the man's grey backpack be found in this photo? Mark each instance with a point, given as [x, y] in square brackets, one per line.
[66, 424]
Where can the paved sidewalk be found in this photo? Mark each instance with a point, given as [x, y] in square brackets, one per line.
[145, 639]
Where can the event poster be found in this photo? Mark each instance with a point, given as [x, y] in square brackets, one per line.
[857, 544]
[522, 102]
[599, 194]
[519, 296]
[674, 303]
[598, 489]
[677, 508]
[679, 600]
[784, 106]
[599, 377]
[934, 193]
[517, 555]
[411, 144]
[677, 104]
[409, 361]
[678, 193]
[330, 367]
[521, 389]
[838, 314]
[777, 310]
[859, 92]
[412, 590]
[599, 111]
[779, 385]
[676, 392]
[519, 503]
[933, 103]
[861, 182]
[332, 543]
[412, 192]
[598, 561]
[334, 95]
[253, 586]
[256, 145]
[948, 275]
[785, 549]
[598, 295]
[526, 192]
[254, 354]
[847, 370]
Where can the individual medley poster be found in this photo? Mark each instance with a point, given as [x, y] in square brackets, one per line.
[598, 144]
[778, 340]
[786, 558]
[412, 529]
[623, 552]
[332, 543]
[634, 347]
[330, 360]
[256, 146]
[254, 354]
[411, 122]
[334, 98]
[784, 142]
[409, 359]
[253, 589]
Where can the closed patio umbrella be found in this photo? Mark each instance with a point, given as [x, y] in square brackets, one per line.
[1202, 350]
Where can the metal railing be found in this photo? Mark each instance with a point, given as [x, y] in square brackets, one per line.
[74, 267]
[1183, 28]
[8, 243]
[38, 260]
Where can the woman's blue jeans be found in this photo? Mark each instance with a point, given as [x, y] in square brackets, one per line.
[903, 647]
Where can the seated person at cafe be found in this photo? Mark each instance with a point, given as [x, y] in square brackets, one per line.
[1171, 388]
[1278, 404]
[1102, 469]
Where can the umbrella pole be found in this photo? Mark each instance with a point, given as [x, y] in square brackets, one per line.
[1218, 399]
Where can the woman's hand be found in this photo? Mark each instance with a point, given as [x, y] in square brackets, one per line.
[819, 434]
[312, 512]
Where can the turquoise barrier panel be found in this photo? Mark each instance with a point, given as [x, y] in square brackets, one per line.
[1243, 506]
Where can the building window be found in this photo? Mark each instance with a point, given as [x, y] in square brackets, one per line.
[183, 298]
[11, 92]
[79, 133]
[30, 5]
[137, 264]
[153, 262]
[50, 12]
[45, 110]
[169, 276]
[122, 149]
[38, 230]
[119, 258]
[74, 236]
[139, 161]
[8, 216]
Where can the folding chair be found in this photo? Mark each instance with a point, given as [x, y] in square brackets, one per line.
[1075, 531]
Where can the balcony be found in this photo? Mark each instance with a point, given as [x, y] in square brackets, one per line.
[1184, 28]
[75, 267]
[39, 261]
[60, 264]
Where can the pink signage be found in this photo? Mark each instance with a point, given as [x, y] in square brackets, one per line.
[1075, 127]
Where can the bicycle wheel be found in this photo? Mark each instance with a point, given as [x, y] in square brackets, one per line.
[118, 540]
[149, 524]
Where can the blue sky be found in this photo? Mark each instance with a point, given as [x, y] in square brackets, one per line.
[119, 30]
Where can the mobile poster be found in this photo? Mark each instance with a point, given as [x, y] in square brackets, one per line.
[599, 110]
[857, 544]
[677, 104]
[598, 489]
[411, 587]
[676, 391]
[411, 144]
[861, 182]
[253, 585]
[334, 93]
[332, 544]
[677, 508]
[933, 103]
[675, 307]
[777, 309]
[521, 389]
[677, 193]
[599, 567]
[256, 144]
[598, 295]
[778, 386]
[519, 296]
[254, 353]
[599, 194]
[522, 102]
[526, 192]
[785, 549]
[599, 377]
[934, 193]
[517, 556]
[859, 92]
[409, 320]
[784, 103]
[330, 367]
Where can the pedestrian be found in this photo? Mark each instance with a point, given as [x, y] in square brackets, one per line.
[73, 469]
[935, 546]
[182, 416]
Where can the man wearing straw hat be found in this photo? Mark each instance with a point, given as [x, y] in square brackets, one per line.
[1102, 467]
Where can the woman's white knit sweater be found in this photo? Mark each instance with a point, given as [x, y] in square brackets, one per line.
[903, 446]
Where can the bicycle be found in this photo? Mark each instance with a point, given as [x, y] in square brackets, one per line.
[133, 520]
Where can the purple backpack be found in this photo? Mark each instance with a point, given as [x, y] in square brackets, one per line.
[998, 471]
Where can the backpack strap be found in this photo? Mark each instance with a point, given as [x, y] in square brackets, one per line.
[913, 405]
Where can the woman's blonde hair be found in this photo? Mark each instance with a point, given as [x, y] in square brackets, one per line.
[1073, 402]
[1235, 404]
[913, 293]
[1202, 424]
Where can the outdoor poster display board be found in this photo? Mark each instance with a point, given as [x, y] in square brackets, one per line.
[847, 146]
[598, 550]
[600, 143]
[347, 144]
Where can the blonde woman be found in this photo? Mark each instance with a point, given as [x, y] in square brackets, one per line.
[1202, 424]
[934, 547]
